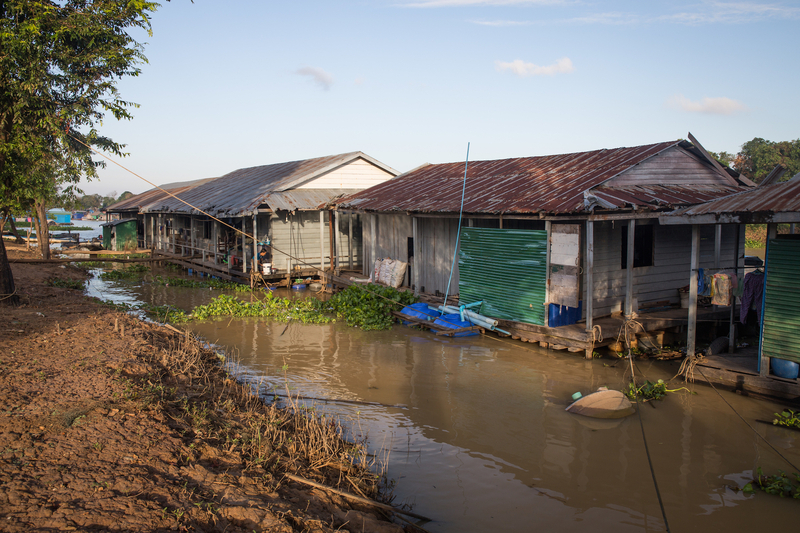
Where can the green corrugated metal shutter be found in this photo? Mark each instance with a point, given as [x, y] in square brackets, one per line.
[782, 301]
[506, 269]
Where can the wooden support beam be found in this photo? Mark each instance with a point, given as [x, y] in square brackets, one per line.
[415, 264]
[629, 278]
[691, 335]
[588, 300]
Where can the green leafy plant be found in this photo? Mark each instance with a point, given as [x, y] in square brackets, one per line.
[787, 418]
[649, 390]
[308, 310]
[369, 307]
[205, 284]
[779, 484]
[65, 283]
[128, 272]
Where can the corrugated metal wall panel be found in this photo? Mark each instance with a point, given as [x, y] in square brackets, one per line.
[782, 301]
[507, 270]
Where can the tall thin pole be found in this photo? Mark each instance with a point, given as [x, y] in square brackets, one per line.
[458, 235]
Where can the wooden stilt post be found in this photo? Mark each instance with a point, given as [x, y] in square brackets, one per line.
[589, 298]
[691, 335]
[629, 280]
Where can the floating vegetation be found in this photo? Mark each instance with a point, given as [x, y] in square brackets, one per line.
[308, 310]
[787, 418]
[128, 272]
[650, 390]
[779, 484]
[206, 284]
[369, 307]
[66, 283]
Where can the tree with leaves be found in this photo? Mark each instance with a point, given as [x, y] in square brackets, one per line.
[60, 62]
[759, 157]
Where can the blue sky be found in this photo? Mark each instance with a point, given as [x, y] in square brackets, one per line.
[244, 83]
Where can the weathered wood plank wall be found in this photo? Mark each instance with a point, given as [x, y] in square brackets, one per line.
[670, 270]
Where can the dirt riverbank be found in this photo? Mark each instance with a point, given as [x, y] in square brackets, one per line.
[110, 423]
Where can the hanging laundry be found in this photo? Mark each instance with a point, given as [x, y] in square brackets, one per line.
[751, 297]
[721, 289]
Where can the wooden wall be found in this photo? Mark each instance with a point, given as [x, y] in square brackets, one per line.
[670, 270]
[674, 166]
[359, 174]
[436, 236]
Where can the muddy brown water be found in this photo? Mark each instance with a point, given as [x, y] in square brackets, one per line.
[474, 433]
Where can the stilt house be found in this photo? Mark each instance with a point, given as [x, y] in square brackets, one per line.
[553, 240]
[771, 367]
[280, 208]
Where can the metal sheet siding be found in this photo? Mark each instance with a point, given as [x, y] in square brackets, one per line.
[507, 270]
[782, 301]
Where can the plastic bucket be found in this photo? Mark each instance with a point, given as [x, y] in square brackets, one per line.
[784, 369]
[266, 268]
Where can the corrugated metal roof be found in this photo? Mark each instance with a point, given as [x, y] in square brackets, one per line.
[304, 198]
[242, 191]
[553, 184]
[138, 201]
[766, 200]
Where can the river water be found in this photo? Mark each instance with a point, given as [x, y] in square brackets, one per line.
[474, 433]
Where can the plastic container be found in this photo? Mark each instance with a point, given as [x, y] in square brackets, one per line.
[419, 310]
[784, 369]
[562, 315]
[454, 322]
[299, 286]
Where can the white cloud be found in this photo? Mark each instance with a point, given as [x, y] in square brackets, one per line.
[521, 68]
[732, 13]
[322, 78]
[713, 106]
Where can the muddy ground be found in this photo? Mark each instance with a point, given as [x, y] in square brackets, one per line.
[110, 423]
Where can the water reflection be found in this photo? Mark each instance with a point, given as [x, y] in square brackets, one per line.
[484, 443]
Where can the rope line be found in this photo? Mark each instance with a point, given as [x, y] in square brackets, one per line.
[646, 447]
[748, 423]
[298, 260]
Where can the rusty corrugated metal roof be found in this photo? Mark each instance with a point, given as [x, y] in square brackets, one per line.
[758, 205]
[242, 191]
[550, 184]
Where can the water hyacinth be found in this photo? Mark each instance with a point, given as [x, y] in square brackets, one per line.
[308, 310]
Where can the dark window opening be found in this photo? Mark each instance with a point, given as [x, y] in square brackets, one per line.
[410, 248]
[206, 229]
[642, 246]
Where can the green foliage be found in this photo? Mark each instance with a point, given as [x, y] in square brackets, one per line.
[129, 272]
[758, 157]
[787, 418]
[205, 284]
[368, 307]
[779, 484]
[308, 310]
[59, 68]
[65, 283]
[650, 390]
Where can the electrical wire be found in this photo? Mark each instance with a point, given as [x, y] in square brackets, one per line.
[245, 234]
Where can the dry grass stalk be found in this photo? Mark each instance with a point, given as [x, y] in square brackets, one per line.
[192, 384]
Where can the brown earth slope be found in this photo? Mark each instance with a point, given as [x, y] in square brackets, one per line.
[110, 423]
